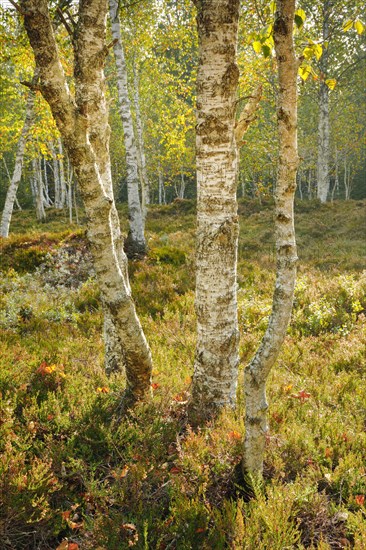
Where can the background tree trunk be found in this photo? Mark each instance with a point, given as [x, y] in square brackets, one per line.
[256, 373]
[145, 184]
[135, 244]
[324, 123]
[17, 172]
[216, 363]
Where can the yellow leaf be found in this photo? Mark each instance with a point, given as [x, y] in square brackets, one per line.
[272, 7]
[257, 46]
[318, 50]
[103, 389]
[304, 71]
[359, 26]
[307, 53]
[348, 25]
[331, 83]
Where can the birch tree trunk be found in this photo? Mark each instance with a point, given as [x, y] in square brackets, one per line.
[256, 373]
[324, 124]
[56, 178]
[161, 189]
[217, 358]
[16, 202]
[38, 191]
[135, 244]
[62, 173]
[83, 125]
[145, 184]
[17, 172]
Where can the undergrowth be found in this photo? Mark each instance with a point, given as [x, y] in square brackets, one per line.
[73, 474]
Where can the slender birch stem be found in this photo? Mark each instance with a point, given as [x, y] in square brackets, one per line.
[135, 244]
[17, 172]
[324, 123]
[256, 373]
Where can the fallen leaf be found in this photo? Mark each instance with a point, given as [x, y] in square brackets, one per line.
[103, 389]
[155, 385]
[175, 470]
[200, 530]
[302, 396]
[63, 546]
[73, 525]
[73, 546]
[328, 452]
[234, 436]
[360, 500]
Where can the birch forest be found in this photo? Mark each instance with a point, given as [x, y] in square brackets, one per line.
[182, 275]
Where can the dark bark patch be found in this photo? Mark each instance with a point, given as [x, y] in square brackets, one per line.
[135, 250]
[283, 116]
[280, 26]
[230, 79]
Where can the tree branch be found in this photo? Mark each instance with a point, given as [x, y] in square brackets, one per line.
[65, 23]
[248, 115]
[17, 7]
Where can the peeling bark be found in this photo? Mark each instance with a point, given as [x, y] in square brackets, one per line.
[17, 172]
[256, 373]
[83, 125]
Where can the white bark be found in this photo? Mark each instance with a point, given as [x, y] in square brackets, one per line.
[38, 191]
[324, 123]
[161, 189]
[16, 202]
[56, 178]
[83, 124]
[62, 173]
[135, 244]
[256, 373]
[145, 184]
[216, 363]
[17, 172]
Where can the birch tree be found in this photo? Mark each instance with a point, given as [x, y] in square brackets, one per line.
[324, 123]
[83, 124]
[256, 373]
[145, 184]
[217, 354]
[216, 363]
[19, 157]
[135, 244]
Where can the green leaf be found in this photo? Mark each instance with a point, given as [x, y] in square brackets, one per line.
[304, 71]
[266, 50]
[331, 83]
[348, 25]
[359, 26]
[257, 46]
[300, 17]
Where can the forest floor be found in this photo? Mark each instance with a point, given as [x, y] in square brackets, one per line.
[73, 475]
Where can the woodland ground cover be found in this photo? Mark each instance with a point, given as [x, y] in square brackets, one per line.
[72, 469]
